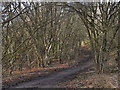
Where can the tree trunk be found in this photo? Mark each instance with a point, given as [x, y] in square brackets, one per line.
[118, 52]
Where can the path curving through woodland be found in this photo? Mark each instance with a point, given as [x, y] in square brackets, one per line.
[51, 80]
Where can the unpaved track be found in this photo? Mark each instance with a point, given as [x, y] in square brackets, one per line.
[51, 80]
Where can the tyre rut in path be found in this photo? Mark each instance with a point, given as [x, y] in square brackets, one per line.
[51, 80]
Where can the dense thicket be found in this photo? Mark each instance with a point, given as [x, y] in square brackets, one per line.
[39, 33]
[34, 34]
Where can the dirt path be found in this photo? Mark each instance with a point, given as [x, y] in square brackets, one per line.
[52, 79]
